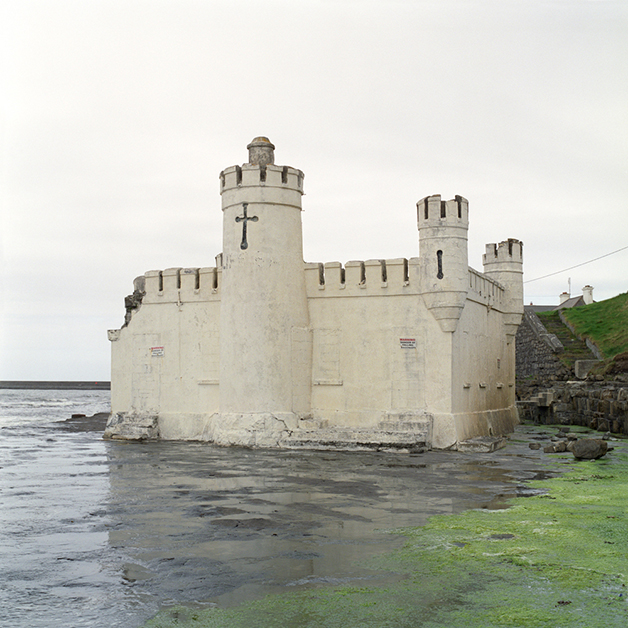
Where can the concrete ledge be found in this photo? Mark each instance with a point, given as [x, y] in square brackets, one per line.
[364, 439]
[582, 367]
[482, 444]
[132, 427]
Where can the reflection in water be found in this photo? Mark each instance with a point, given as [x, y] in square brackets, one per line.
[101, 534]
[200, 523]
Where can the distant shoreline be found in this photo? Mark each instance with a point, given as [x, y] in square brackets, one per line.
[24, 385]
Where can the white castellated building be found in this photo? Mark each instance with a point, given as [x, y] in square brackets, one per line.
[266, 350]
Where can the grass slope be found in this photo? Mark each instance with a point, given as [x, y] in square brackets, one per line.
[554, 560]
[574, 348]
[605, 323]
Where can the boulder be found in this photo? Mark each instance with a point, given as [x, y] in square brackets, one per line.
[556, 448]
[589, 448]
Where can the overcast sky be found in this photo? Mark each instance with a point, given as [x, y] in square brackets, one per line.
[119, 116]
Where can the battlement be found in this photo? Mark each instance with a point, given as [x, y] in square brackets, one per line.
[485, 290]
[434, 212]
[375, 277]
[180, 285]
[264, 175]
[510, 250]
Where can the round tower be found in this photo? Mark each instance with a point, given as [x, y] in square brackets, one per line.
[444, 264]
[504, 263]
[263, 298]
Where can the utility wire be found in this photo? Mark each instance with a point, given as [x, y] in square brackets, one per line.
[576, 266]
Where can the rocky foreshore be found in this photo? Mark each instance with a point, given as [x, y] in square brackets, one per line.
[83, 423]
[598, 405]
[582, 447]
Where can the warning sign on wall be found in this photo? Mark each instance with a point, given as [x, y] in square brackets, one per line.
[157, 352]
[407, 343]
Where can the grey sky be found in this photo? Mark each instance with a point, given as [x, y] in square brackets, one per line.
[119, 116]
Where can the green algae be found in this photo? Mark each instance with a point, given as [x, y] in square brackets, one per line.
[559, 559]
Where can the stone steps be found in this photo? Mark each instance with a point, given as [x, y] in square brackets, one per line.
[412, 436]
[574, 348]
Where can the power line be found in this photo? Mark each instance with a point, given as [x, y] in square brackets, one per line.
[576, 266]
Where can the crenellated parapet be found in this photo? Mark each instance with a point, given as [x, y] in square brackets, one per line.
[485, 290]
[435, 213]
[180, 285]
[387, 277]
[260, 182]
[259, 177]
[507, 255]
[375, 277]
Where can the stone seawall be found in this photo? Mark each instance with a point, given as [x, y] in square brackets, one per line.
[538, 364]
[602, 406]
[35, 385]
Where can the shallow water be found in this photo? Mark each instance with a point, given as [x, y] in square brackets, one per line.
[103, 534]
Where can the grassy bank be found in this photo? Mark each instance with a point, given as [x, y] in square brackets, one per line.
[558, 559]
[605, 323]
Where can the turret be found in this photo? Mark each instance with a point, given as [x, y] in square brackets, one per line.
[263, 302]
[504, 263]
[444, 265]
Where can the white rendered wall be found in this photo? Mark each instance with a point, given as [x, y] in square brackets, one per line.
[361, 373]
[363, 370]
[483, 392]
[166, 361]
[263, 292]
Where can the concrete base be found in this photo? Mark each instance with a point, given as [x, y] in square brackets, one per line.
[466, 432]
[251, 430]
[452, 429]
[284, 430]
[132, 427]
[408, 436]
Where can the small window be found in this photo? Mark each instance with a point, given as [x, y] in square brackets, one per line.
[439, 260]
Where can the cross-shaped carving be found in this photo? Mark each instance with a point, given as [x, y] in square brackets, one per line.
[244, 219]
